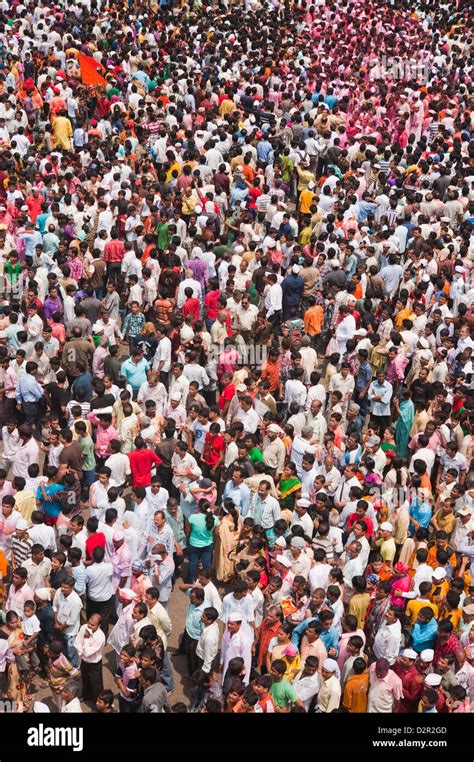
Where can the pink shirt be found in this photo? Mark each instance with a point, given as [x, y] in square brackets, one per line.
[18, 597]
[122, 562]
[383, 692]
[103, 436]
[343, 655]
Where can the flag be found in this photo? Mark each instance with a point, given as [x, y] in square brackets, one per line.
[90, 70]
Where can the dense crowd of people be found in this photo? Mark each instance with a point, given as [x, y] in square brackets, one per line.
[236, 347]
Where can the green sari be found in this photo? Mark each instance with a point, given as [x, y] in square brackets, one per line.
[403, 426]
[288, 489]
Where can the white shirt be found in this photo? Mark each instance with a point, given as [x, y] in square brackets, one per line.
[273, 299]
[387, 642]
[306, 687]
[68, 611]
[119, 464]
[99, 582]
[90, 648]
[304, 521]
[37, 573]
[45, 536]
[208, 646]
[212, 597]
[319, 576]
[295, 391]
[258, 602]
[163, 354]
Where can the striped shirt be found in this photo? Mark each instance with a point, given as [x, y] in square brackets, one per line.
[79, 575]
[21, 549]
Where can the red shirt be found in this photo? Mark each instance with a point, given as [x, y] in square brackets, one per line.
[34, 207]
[226, 395]
[192, 306]
[114, 251]
[210, 301]
[141, 462]
[96, 540]
[370, 527]
[214, 447]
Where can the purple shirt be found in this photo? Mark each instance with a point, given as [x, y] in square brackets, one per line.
[200, 270]
[50, 306]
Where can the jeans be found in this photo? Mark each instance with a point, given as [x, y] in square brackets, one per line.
[72, 654]
[88, 477]
[204, 555]
[167, 673]
[32, 412]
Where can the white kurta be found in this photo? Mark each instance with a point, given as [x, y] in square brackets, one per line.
[234, 645]
[122, 630]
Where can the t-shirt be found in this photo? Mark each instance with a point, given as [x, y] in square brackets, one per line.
[96, 540]
[141, 462]
[211, 302]
[71, 456]
[52, 508]
[201, 536]
[215, 447]
[199, 432]
[387, 549]
[283, 694]
[414, 606]
[87, 446]
[227, 393]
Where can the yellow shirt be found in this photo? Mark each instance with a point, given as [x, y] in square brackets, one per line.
[306, 199]
[62, 132]
[292, 667]
[445, 522]
[358, 606]
[387, 549]
[414, 606]
[169, 174]
[25, 503]
[227, 107]
[305, 236]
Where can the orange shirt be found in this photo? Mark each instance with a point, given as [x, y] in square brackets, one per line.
[3, 564]
[271, 371]
[265, 633]
[354, 698]
[313, 320]
[432, 558]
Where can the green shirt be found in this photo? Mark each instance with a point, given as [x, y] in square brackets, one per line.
[287, 168]
[200, 536]
[162, 235]
[87, 447]
[283, 694]
[255, 455]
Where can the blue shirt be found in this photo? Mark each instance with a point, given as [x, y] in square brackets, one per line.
[264, 149]
[424, 635]
[51, 508]
[194, 626]
[31, 241]
[135, 373]
[41, 221]
[83, 382]
[385, 390]
[79, 575]
[364, 376]
[330, 638]
[28, 389]
[240, 495]
[421, 512]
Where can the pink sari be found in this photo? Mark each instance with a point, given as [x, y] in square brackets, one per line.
[403, 584]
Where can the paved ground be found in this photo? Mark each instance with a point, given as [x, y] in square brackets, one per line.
[177, 610]
[183, 685]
